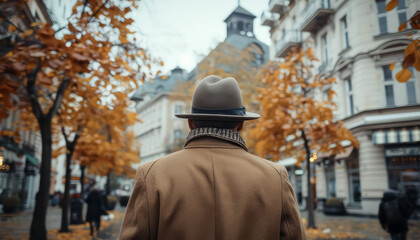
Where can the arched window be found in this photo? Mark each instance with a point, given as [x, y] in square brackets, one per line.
[240, 26]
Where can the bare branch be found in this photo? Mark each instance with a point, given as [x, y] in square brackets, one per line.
[63, 131]
[59, 96]
[97, 11]
[30, 88]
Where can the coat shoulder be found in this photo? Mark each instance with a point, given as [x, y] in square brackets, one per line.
[281, 170]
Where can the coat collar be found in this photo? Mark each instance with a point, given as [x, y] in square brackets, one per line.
[211, 137]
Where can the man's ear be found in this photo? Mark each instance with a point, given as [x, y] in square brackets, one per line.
[240, 126]
[190, 124]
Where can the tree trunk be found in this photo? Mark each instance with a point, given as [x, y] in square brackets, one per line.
[38, 227]
[108, 184]
[66, 197]
[82, 180]
[310, 202]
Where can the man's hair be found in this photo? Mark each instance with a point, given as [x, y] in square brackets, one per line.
[215, 124]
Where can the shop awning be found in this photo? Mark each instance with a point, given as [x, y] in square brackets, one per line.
[396, 135]
[287, 162]
[32, 159]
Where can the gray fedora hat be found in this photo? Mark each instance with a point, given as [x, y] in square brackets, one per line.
[218, 99]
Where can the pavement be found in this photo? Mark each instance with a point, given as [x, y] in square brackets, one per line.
[354, 227]
[16, 226]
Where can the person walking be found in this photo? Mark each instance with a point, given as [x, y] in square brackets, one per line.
[213, 188]
[94, 210]
[394, 212]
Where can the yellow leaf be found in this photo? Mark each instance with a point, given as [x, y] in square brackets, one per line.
[403, 26]
[391, 5]
[391, 67]
[403, 76]
[28, 33]
[12, 28]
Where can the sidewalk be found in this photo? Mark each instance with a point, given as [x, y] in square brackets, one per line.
[352, 227]
[16, 226]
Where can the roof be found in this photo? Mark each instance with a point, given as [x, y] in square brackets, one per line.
[241, 42]
[242, 11]
[159, 84]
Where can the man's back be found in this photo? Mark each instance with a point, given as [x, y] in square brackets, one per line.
[212, 189]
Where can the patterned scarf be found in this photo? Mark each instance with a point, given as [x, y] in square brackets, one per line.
[221, 133]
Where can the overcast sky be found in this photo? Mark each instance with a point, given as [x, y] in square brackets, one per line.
[181, 32]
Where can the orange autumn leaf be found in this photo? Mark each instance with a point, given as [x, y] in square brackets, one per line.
[403, 76]
[391, 5]
[391, 67]
[402, 27]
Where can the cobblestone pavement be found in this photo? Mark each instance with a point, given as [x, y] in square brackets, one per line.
[16, 226]
[357, 227]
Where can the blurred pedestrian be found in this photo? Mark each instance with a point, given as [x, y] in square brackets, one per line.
[394, 212]
[213, 188]
[95, 210]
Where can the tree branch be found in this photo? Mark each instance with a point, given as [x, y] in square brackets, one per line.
[59, 96]
[30, 88]
[4, 18]
[97, 11]
[63, 131]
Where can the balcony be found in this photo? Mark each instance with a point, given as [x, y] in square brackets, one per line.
[290, 39]
[277, 6]
[268, 19]
[314, 16]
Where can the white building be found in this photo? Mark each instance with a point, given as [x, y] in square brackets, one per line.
[160, 129]
[356, 41]
[19, 162]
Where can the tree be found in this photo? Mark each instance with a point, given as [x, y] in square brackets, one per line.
[96, 48]
[294, 122]
[412, 51]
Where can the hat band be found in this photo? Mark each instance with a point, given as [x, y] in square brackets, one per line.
[232, 111]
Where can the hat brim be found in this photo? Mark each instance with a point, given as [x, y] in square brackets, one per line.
[219, 117]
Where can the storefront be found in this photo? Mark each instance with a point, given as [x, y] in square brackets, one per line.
[403, 165]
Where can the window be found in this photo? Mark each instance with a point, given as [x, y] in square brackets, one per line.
[178, 108]
[389, 87]
[330, 178]
[350, 101]
[258, 59]
[178, 134]
[354, 180]
[345, 32]
[402, 12]
[383, 28]
[249, 27]
[324, 48]
[411, 88]
[240, 26]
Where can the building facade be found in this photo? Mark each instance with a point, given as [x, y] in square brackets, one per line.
[160, 129]
[19, 161]
[161, 132]
[356, 42]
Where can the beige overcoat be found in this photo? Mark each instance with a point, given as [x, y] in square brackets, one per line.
[212, 190]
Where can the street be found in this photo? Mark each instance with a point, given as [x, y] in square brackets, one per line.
[328, 227]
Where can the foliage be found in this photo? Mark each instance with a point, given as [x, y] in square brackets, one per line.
[76, 70]
[290, 110]
[412, 51]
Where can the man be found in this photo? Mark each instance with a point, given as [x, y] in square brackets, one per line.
[213, 188]
[395, 210]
